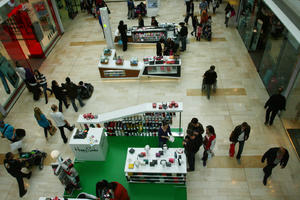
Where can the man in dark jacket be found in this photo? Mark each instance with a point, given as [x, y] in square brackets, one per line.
[72, 92]
[159, 48]
[190, 12]
[183, 35]
[194, 125]
[191, 148]
[240, 134]
[209, 80]
[13, 167]
[274, 156]
[59, 95]
[274, 104]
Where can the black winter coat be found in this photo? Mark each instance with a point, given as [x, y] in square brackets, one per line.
[271, 154]
[276, 102]
[237, 132]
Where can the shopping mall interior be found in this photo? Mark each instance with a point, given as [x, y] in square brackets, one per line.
[249, 71]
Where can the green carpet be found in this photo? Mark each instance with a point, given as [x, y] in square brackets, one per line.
[113, 170]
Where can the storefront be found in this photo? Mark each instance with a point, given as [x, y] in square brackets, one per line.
[68, 10]
[28, 32]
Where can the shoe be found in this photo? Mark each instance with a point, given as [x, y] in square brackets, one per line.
[204, 163]
[238, 161]
[265, 181]
[66, 141]
[46, 102]
[25, 191]
[190, 170]
[67, 106]
[82, 105]
[266, 123]
[29, 175]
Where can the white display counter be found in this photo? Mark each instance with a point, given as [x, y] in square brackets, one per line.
[92, 148]
[176, 173]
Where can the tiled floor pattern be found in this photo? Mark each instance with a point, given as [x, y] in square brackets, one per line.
[235, 70]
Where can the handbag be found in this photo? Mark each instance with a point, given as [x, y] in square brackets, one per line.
[52, 130]
[120, 42]
[231, 149]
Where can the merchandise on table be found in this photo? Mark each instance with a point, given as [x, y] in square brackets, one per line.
[134, 61]
[119, 60]
[162, 65]
[139, 125]
[104, 60]
[107, 52]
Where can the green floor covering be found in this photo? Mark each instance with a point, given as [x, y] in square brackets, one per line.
[113, 170]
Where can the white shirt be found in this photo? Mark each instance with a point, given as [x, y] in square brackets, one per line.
[241, 137]
[21, 71]
[58, 117]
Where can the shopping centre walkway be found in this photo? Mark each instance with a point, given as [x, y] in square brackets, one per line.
[240, 97]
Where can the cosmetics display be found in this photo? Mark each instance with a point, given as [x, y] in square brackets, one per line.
[134, 61]
[156, 165]
[162, 66]
[119, 60]
[146, 124]
[107, 52]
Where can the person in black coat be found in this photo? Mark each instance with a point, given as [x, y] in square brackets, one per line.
[72, 92]
[190, 147]
[141, 21]
[274, 156]
[274, 104]
[239, 135]
[123, 33]
[183, 35]
[60, 95]
[159, 48]
[13, 167]
[194, 125]
[154, 22]
[189, 12]
[209, 80]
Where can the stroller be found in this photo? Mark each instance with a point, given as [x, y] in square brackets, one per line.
[34, 157]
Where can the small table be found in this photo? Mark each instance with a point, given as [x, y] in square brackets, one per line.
[93, 147]
[175, 174]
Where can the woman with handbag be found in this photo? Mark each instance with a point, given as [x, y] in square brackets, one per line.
[209, 143]
[42, 121]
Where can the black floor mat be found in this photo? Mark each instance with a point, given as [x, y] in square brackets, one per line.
[295, 137]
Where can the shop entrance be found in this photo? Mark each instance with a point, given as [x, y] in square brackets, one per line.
[68, 10]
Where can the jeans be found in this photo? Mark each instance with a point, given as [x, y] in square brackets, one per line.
[130, 13]
[63, 99]
[273, 115]
[44, 86]
[208, 88]
[183, 42]
[74, 104]
[226, 21]
[46, 129]
[268, 170]
[241, 147]
[62, 132]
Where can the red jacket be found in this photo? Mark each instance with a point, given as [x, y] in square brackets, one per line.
[120, 193]
[208, 141]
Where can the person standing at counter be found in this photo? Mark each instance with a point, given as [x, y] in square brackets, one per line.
[123, 33]
[154, 22]
[159, 47]
[141, 21]
[194, 125]
[183, 35]
[190, 148]
[163, 134]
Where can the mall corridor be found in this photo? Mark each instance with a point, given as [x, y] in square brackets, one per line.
[240, 97]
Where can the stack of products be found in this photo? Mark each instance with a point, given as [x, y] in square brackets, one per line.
[104, 60]
[119, 61]
[140, 125]
[134, 61]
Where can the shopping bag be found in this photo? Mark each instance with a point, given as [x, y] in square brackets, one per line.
[232, 149]
[120, 42]
[52, 130]
[16, 145]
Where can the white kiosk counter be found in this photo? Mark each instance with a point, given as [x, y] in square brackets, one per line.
[91, 148]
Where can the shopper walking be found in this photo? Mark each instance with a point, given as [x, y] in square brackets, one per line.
[60, 95]
[159, 47]
[130, 5]
[188, 7]
[195, 126]
[209, 80]
[228, 10]
[215, 5]
[209, 143]
[199, 32]
[183, 36]
[164, 133]
[239, 135]
[275, 103]
[190, 12]
[61, 122]
[190, 148]
[13, 167]
[42, 81]
[72, 92]
[123, 34]
[10, 133]
[274, 156]
[195, 23]
[42, 121]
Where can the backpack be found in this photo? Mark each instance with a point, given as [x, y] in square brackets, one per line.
[86, 91]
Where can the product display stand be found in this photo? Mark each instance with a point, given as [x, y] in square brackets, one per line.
[139, 120]
[90, 146]
[169, 167]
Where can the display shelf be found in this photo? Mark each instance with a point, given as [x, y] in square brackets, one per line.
[158, 173]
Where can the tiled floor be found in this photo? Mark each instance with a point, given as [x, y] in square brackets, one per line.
[222, 179]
